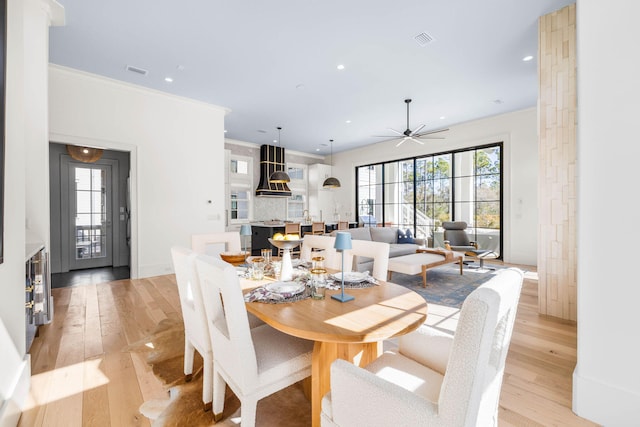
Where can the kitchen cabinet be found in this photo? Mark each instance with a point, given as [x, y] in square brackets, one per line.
[321, 201]
[260, 234]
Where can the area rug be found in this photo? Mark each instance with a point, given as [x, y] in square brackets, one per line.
[164, 349]
[445, 285]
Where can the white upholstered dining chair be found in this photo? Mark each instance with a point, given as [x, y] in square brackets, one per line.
[196, 333]
[377, 251]
[254, 362]
[214, 243]
[434, 378]
[322, 244]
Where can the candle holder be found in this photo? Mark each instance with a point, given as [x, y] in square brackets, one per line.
[343, 243]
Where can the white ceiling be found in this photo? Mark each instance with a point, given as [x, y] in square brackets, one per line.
[274, 63]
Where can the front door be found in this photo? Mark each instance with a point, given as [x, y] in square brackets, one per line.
[90, 209]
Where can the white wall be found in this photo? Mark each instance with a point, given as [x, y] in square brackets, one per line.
[13, 268]
[25, 128]
[517, 130]
[177, 156]
[607, 377]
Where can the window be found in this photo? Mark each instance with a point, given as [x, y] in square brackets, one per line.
[297, 203]
[422, 192]
[240, 189]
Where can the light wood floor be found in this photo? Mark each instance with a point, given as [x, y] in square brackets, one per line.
[81, 376]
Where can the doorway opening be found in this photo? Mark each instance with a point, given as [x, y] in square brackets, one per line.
[90, 217]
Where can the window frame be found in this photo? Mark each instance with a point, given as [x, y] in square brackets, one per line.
[240, 182]
[451, 182]
[298, 187]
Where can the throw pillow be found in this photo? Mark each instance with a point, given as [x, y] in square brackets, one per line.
[405, 236]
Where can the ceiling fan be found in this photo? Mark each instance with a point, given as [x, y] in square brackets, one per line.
[412, 134]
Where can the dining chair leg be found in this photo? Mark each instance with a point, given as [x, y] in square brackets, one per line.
[219, 388]
[189, 353]
[207, 382]
[248, 410]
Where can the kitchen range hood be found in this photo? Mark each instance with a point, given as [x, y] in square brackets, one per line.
[271, 160]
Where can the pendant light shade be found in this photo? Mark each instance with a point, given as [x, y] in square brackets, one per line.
[331, 182]
[84, 154]
[279, 176]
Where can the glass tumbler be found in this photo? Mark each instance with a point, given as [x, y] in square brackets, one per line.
[317, 262]
[266, 254]
[257, 268]
[318, 283]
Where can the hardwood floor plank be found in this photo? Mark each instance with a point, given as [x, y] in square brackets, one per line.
[92, 328]
[123, 391]
[95, 398]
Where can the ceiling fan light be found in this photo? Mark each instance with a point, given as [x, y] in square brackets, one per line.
[331, 182]
[279, 177]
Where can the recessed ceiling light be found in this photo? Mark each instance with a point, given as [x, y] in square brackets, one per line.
[225, 131]
[275, 140]
[168, 79]
[527, 58]
[442, 117]
[348, 121]
[340, 67]
[317, 149]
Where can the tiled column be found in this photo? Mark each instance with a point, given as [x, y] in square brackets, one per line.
[557, 169]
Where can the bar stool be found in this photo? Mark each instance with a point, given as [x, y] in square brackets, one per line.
[317, 227]
[292, 228]
[343, 225]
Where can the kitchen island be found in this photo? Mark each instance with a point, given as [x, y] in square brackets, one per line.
[262, 231]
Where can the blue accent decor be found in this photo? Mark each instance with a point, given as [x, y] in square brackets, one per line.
[405, 236]
[343, 243]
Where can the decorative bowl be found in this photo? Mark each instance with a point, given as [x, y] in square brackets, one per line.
[285, 244]
[235, 258]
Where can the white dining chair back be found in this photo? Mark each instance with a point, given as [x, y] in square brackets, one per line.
[378, 251]
[434, 378]
[254, 362]
[194, 318]
[322, 245]
[214, 243]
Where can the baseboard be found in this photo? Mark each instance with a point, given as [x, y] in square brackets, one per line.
[11, 408]
[604, 404]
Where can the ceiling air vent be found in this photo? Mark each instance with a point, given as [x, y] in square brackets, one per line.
[137, 70]
[423, 39]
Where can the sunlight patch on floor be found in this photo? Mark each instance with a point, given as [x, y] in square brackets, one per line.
[69, 380]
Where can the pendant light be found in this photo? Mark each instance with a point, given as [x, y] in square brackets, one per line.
[331, 182]
[84, 154]
[278, 176]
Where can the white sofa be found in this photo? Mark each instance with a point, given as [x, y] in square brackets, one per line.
[380, 234]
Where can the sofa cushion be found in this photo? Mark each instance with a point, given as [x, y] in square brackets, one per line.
[360, 233]
[405, 236]
[384, 234]
[399, 249]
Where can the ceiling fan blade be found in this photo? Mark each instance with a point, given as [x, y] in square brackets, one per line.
[417, 130]
[418, 135]
[416, 140]
[401, 142]
[395, 131]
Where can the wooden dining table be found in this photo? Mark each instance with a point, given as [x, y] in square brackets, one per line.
[352, 330]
